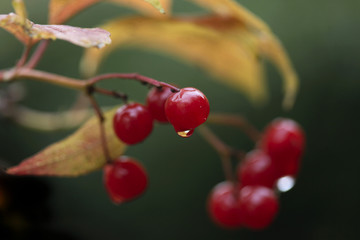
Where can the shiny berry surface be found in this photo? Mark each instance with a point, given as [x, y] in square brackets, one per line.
[124, 179]
[223, 206]
[132, 123]
[284, 141]
[258, 206]
[187, 109]
[257, 169]
[155, 102]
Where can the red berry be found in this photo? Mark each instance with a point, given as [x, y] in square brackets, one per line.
[155, 102]
[132, 123]
[257, 169]
[223, 206]
[125, 179]
[284, 141]
[258, 206]
[186, 110]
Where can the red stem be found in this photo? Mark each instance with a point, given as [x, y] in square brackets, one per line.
[236, 121]
[50, 78]
[133, 76]
[223, 150]
[114, 94]
[24, 56]
[35, 58]
[102, 128]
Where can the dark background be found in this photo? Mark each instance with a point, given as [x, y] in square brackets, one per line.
[322, 38]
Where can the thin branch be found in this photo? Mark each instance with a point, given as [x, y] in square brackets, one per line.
[114, 94]
[102, 128]
[50, 78]
[37, 55]
[225, 152]
[133, 76]
[236, 121]
[77, 83]
[24, 56]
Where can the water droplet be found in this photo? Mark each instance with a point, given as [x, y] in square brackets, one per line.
[285, 183]
[186, 133]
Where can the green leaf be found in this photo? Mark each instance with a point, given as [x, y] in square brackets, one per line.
[76, 155]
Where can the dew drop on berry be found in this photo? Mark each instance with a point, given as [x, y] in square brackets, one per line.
[186, 133]
[285, 183]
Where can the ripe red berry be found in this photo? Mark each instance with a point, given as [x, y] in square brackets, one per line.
[124, 179]
[186, 110]
[258, 206]
[223, 206]
[257, 169]
[284, 141]
[132, 123]
[155, 102]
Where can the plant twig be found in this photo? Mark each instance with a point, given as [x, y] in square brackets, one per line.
[77, 83]
[225, 152]
[24, 56]
[50, 78]
[101, 118]
[35, 58]
[133, 76]
[236, 121]
[114, 94]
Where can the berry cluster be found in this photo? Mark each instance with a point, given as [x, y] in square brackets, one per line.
[185, 110]
[250, 201]
[125, 178]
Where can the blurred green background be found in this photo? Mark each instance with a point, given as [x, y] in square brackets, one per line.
[322, 38]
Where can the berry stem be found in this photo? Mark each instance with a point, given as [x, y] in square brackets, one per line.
[101, 118]
[223, 150]
[37, 55]
[236, 121]
[24, 56]
[133, 76]
[114, 94]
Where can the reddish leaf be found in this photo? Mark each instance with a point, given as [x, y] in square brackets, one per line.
[28, 32]
[78, 154]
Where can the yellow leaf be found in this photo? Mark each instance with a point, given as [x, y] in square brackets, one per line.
[61, 10]
[232, 60]
[76, 155]
[154, 8]
[20, 10]
[156, 4]
[230, 8]
[269, 45]
[14, 24]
